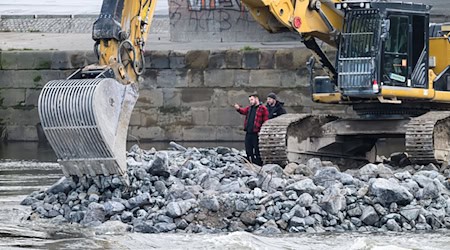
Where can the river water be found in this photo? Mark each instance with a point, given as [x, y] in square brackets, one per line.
[19, 178]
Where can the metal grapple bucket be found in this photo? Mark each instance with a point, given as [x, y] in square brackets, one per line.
[86, 123]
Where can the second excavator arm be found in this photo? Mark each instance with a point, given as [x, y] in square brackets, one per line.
[310, 18]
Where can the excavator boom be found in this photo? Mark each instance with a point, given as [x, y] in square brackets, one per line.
[85, 117]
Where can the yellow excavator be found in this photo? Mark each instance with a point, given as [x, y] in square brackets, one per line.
[85, 117]
[391, 66]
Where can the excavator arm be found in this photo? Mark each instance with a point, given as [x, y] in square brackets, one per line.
[310, 18]
[120, 33]
[85, 117]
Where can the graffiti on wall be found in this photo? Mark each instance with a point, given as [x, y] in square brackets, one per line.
[210, 15]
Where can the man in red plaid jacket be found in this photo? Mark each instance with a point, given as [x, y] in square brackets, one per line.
[255, 115]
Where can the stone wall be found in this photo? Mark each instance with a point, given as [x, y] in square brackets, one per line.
[186, 96]
[217, 20]
[229, 21]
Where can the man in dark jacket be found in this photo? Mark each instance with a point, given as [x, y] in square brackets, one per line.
[274, 106]
[255, 115]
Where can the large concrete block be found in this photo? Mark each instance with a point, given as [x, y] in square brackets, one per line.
[168, 78]
[146, 133]
[150, 79]
[78, 59]
[171, 97]
[91, 57]
[200, 133]
[289, 79]
[32, 97]
[284, 59]
[265, 78]
[219, 78]
[149, 98]
[217, 59]
[196, 96]
[195, 78]
[149, 117]
[230, 133]
[174, 133]
[295, 97]
[21, 133]
[233, 59]
[61, 60]
[29, 78]
[19, 116]
[267, 59]
[157, 59]
[238, 96]
[197, 59]
[224, 117]
[135, 118]
[175, 116]
[26, 59]
[177, 60]
[220, 98]
[241, 77]
[200, 115]
[301, 79]
[250, 59]
[12, 97]
[300, 57]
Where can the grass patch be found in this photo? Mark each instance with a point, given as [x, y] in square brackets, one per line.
[249, 48]
[45, 65]
[37, 78]
[16, 49]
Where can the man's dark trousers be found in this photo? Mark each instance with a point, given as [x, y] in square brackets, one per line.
[252, 148]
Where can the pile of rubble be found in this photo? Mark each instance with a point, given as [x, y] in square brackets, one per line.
[216, 190]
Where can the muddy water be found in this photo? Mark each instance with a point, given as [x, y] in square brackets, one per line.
[18, 178]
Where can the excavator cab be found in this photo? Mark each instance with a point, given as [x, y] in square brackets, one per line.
[383, 45]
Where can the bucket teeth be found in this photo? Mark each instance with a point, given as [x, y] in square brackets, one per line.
[86, 123]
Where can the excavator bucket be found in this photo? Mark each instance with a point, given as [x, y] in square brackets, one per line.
[86, 123]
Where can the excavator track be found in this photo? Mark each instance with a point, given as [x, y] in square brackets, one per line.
[427, 138]
[279, 137]
[293, 136]
[273, 138]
